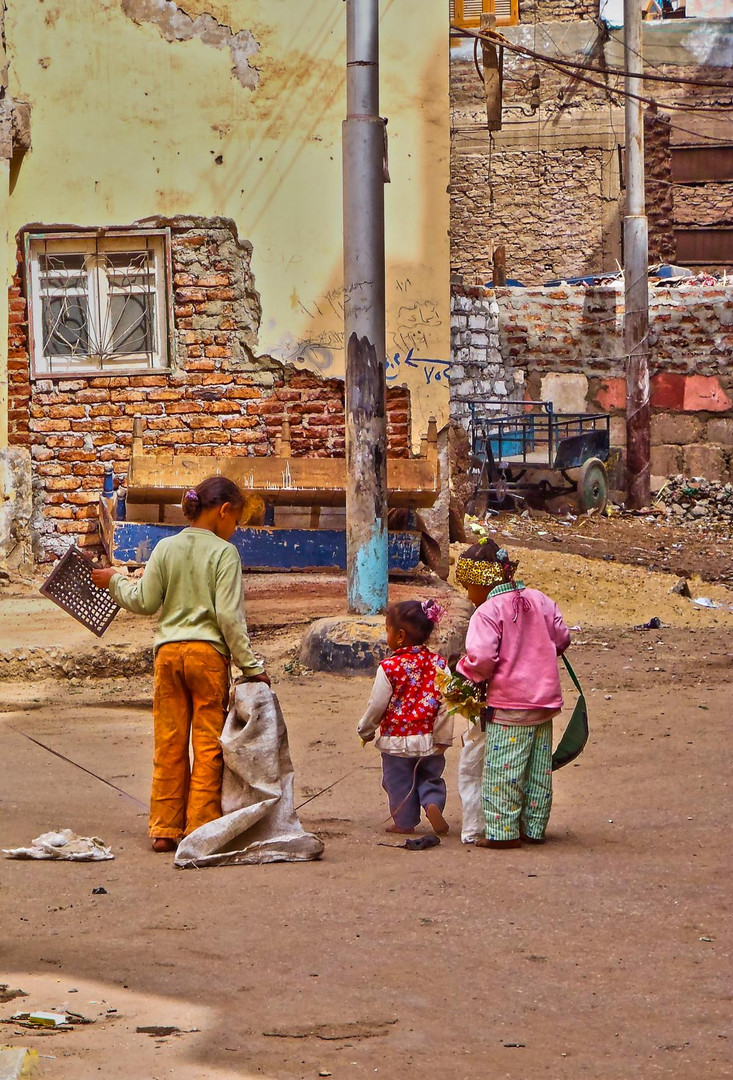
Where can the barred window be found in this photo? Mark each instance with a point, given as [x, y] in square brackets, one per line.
[468, 12]
[97, 301]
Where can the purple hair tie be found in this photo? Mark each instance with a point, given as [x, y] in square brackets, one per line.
[192, 495]
[433, 610]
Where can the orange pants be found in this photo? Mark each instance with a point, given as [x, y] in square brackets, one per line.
[189, 703]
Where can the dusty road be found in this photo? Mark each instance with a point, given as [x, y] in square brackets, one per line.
[601, 955]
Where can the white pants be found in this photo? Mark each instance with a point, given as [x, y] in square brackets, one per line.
[470, 773]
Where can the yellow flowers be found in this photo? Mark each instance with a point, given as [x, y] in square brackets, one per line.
[460, 695]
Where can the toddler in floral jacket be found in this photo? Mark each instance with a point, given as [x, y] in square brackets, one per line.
[414, 728]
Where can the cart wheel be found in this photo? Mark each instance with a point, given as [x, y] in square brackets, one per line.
[592, 485]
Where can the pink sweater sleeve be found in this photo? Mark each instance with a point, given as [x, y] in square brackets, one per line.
[482, 647]
[559, 631]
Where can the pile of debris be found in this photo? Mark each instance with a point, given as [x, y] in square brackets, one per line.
[696, 500]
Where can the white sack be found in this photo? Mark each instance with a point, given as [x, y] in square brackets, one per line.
[259, 823]
[470, 775]
[63, 844]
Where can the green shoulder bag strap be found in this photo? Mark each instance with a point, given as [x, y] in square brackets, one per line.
[576, 733]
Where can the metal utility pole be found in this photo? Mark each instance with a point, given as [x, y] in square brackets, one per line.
[364, 319]
[636, 260]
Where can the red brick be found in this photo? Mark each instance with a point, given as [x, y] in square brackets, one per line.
[217, 380]
[65, 483]
[51, 425]
[217, 352]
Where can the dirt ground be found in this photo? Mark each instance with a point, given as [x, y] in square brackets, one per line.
[600, 955]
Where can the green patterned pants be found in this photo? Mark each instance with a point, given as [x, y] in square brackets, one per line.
[517, 781]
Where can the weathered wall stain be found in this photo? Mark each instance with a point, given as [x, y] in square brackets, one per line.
[175, 24]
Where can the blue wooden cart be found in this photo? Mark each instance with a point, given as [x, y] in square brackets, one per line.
[157, 481]
[535, 454]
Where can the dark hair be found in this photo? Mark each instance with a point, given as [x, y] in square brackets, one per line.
[485, 552]
[214, 491]
[409, 615]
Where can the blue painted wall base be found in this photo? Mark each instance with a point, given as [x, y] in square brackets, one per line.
[265, 548]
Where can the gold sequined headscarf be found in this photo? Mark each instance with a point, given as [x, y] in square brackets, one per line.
[489, 574]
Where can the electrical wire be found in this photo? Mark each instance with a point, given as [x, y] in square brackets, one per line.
[570, 66]
[564, 66]
[606, 69]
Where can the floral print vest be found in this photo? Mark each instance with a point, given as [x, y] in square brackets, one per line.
[415, 698]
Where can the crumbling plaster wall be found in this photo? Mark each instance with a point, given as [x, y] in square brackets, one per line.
[122, 131]
[217, 398]
[565, 345]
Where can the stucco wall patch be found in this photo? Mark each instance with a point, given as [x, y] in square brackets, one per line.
[175, 24]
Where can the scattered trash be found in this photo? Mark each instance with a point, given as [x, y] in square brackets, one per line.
[99, 891]
[63, 844]
[324, 1072]
[59, 1021]
[414, 843]
[17, 1062]
[706, 939]
[6, 994]
[706, 602]
[696, 501]
[653, 624]
[514, 1046]
[682, 588]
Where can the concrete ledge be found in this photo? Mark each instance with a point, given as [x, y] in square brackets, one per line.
[46, 662]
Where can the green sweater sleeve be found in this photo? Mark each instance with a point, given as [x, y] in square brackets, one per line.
[144, 596]
[230, 612]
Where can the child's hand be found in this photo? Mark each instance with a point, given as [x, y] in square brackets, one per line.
[262, 677]
[366, 739]
[102, 578]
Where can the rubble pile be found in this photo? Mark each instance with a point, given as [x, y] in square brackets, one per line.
[696, 500]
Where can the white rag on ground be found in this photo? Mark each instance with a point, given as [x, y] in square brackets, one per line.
[63, 844]
[259, 822]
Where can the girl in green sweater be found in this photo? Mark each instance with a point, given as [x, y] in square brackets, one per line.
[195, 577]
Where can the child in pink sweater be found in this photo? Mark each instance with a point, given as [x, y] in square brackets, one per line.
[513, 641]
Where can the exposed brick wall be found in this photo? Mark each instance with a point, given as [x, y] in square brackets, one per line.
[566, 345]
[217, 398]
[19, 388]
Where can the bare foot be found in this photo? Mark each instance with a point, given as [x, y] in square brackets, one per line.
[402, 832]
[164, 843]
[499, 843]
[438, 823]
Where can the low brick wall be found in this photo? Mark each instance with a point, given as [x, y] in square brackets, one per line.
[565, 345]
[218, 397]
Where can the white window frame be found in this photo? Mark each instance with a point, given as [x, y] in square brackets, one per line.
[91, 243]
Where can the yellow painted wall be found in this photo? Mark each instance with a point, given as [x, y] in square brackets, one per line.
[126, 124]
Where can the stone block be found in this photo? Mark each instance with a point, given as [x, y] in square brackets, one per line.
[666, 460]
[618, 431]
[609, 394]
[668, 391]
[720, 430]
[679, 428]
[705, 460]
[566, 391]
[703, 393]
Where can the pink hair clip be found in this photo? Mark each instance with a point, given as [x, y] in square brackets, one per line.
[433, 610]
